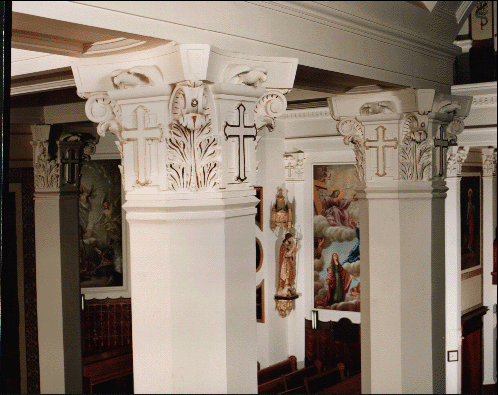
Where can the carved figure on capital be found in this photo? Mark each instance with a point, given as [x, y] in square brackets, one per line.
[294, 165]
[245, 74]
[136, 76]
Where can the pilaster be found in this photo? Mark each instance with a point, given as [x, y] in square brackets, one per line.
[488, 233]
[456, 156]
[400, 139]
[295, 184]
[56, 168]
[188, 119]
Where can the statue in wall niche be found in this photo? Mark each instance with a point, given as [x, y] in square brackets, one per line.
[286, 291]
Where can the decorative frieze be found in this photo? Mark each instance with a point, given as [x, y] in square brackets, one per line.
[408, 130]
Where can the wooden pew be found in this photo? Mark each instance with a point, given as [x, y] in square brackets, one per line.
[106, 366]
[276, 371]
[296, 379]
[324, 380]
[272, 387]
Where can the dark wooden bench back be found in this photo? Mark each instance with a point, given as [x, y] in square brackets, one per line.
[324, 380]
[296, 379]
[276, 371]
[272, 387]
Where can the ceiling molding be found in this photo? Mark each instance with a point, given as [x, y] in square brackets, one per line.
[33, 41]
[35, 87]
[360, 26]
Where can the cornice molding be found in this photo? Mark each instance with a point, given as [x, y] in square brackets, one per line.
[339, 19]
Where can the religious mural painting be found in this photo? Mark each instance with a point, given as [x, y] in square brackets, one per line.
[470, 214]
[336, 238]
[100, 231]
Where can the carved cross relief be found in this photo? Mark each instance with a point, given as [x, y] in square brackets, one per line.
[70, 166]
[440, 146]
[141, 136]
[241, 132]
[380, 146]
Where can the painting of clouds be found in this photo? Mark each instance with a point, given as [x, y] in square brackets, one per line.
[336, 238]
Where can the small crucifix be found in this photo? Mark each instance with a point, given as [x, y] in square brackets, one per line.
[442, 144]
[141, 135]
[241, 132]
[70, 162]
[377, 144]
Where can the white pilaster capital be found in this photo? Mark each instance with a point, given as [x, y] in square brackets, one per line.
[294, 166]
[187, 116]
[456, 156]
[489, 162]
[400, 134]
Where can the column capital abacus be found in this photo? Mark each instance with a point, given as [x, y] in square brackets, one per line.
[187, 116]
[400, 134]
[489, 162]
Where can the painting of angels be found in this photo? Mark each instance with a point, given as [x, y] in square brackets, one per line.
[336, 238]
[100, 232]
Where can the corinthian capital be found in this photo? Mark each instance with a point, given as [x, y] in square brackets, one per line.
[187, 116]
[402, 134]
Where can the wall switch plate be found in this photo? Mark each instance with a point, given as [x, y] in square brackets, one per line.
[453, 356]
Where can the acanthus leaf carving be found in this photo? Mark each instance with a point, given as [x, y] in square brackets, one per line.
[193, 151]
[415, 158]
[46, 170]
[193, 158]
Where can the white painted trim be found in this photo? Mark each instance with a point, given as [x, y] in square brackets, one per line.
[42, 86]
[464, 44]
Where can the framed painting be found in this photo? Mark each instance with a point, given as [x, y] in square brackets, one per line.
[470, 223]
[102, 259]
[336, 238]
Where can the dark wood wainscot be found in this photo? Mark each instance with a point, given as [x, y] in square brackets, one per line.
[472, 369]
[333, 342]
[106, 346]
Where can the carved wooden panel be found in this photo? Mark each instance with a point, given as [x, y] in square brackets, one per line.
[105, 324]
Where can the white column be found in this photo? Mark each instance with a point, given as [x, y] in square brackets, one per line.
[488, 232]
[456, 156]
[399, 139]
[187, 118]
[57, 267]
